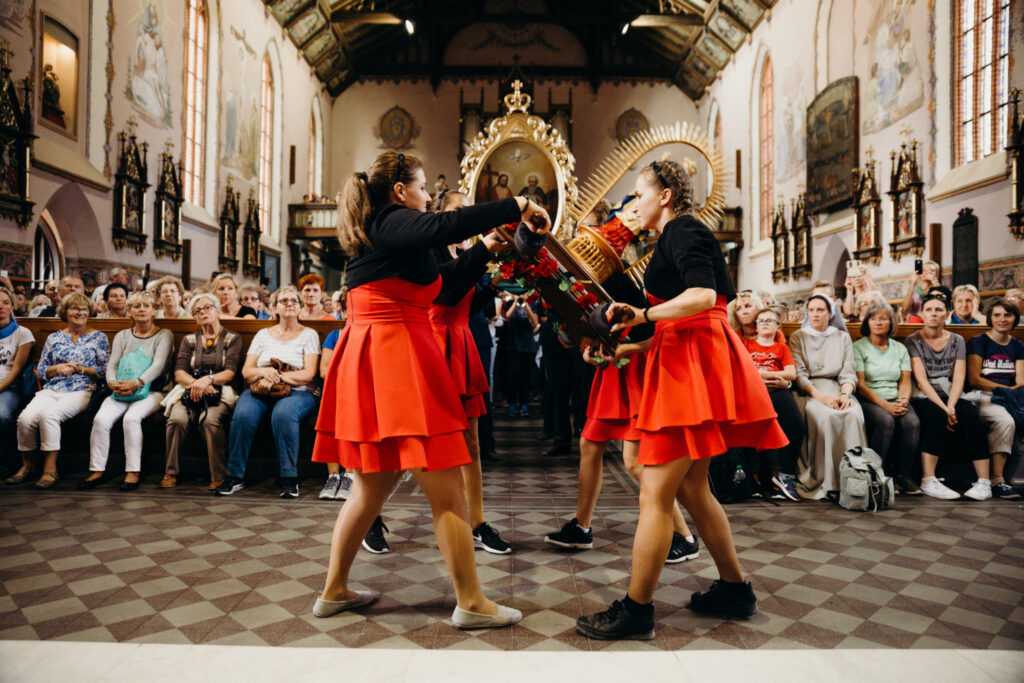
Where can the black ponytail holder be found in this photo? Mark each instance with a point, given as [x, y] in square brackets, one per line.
[400, 168]
[362, 176]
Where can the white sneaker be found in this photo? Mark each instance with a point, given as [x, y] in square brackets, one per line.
[344, 487]
[982, 490]
[331, 487]
[936, 489]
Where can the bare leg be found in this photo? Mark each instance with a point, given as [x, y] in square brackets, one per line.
[472, 475]
[658, 487]
[50, 465]
[928, 464]
[981, 468]
[712, 524]
[350, 528]
[333, 468]
[630, 453]
[444, 490]
[998, 463]
[589, 479]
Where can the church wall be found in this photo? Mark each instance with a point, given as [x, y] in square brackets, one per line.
[151, 92]
[839, 39]
[356, 114]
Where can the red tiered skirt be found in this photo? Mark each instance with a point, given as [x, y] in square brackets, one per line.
[451, 327]
[702, 393]
[614, 401]
[389, 402]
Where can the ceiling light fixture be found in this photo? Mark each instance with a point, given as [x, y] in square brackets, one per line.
[410, 27]
[625, 28]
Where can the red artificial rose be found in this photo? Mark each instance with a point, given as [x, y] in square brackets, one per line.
[542, 254]
[508, 270]
[533, 298]
[546, 268]
[587, 300]
[578, 287]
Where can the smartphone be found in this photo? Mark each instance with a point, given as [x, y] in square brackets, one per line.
[3, 273]
[918, 266]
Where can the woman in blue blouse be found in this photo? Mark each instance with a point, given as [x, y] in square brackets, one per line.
[71, 361]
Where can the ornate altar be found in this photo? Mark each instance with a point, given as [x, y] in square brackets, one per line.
[167, 209]
[15, 145]
[1015, 160]
[130, 185]
[252, 259]
[866, 209]
[905, 198]
[801, 239]
[780, 244]
[229, 221]
[569, 275]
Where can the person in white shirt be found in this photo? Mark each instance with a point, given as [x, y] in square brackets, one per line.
[15, 346]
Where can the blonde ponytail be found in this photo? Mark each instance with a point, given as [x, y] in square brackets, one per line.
[353, 212]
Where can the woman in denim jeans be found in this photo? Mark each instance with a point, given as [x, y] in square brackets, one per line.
[298, 347]
[15, 346]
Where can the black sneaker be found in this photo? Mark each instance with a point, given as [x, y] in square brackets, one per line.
[290, 488]
[571, 535]
[786, 485]
[682, 549]
[616, 623]
[726, 600]
[230, 485]
[484, 536]
[1004, 491]
[906, 486]
[375, 541]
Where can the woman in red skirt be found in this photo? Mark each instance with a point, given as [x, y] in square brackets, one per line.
[449, 316]
[389, 402]
[611, 415]
[701, 395]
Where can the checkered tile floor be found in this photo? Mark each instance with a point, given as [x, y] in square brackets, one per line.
[184, 567]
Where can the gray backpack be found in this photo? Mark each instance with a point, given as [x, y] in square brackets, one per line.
[862, 482]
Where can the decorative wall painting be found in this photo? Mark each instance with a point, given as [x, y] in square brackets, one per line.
[240, 111]
[832, 145]
[286, 10]
[712, 50]
[896, 86]
[630, 122]
[906, 200]
[791, 124]
[866, 209]
[704, 71]
[147, 86]
[320, 45]
[252, 261]
[58, 106]
[396, 129]
[307, 25]
[13, 14]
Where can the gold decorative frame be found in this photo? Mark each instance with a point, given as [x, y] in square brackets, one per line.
[519, 124]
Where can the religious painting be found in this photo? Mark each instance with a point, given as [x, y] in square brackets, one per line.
[691, 85]
[791, 123]
[703, 70]
[319, 45]
[518, 168]
[59, 68]
[727, 29]
[906, 199]
[712, 50]
[240, 110]
[13, 14]
[780, 244]
[747, 11]
[16, 136]
[1015, 161]
[832, 145]
[396, 129]
[801, 239]
[130, 185]
[286, 10]
[629, 123]
[896, 86]
[167, 209]
[307, 25]
[147, 86]
[230, 219]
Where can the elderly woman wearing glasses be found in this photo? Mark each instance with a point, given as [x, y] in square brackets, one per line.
[71, 361]
[281, 367]
[206, 364]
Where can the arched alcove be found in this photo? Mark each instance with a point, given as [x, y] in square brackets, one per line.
[833, 261]
[71, 218]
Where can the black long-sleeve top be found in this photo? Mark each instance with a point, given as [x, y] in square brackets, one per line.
[460, 274]
[621, 288]
[402, 240]
[687, 255]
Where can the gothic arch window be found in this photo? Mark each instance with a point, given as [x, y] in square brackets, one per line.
[766, 148]
[193, 153]
[45, 256]
[266, 142]
[981, 36]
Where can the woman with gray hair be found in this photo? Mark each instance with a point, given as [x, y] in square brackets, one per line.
[966, 301]
[204, 368]
[281, 367]
[883, 388]
[136, 374]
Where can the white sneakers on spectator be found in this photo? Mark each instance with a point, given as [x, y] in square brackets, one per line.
[330, 488]
[936, 489]
[344, 488]
[981, 490]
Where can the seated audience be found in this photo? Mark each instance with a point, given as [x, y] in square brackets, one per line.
[341, 304]
[170, 294]
[828, 290]
[251, 296]
[823, 355]
[742, 312]
[69, 284]
[950, 426]
[115, 296]
[15, 348]
[117, 274]
[863, 303]
[311, 288]
[136, 374]
[1016, 297]
[965, 307]
[68, 367]
[857, 286]
[918, 288]
[883, 388]
[775, 363]
[225, 288]
[941, 292]
[282, 359]
[204, 369]
[338, 485]
[994, 360]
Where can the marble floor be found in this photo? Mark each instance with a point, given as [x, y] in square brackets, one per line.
[930, 586]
